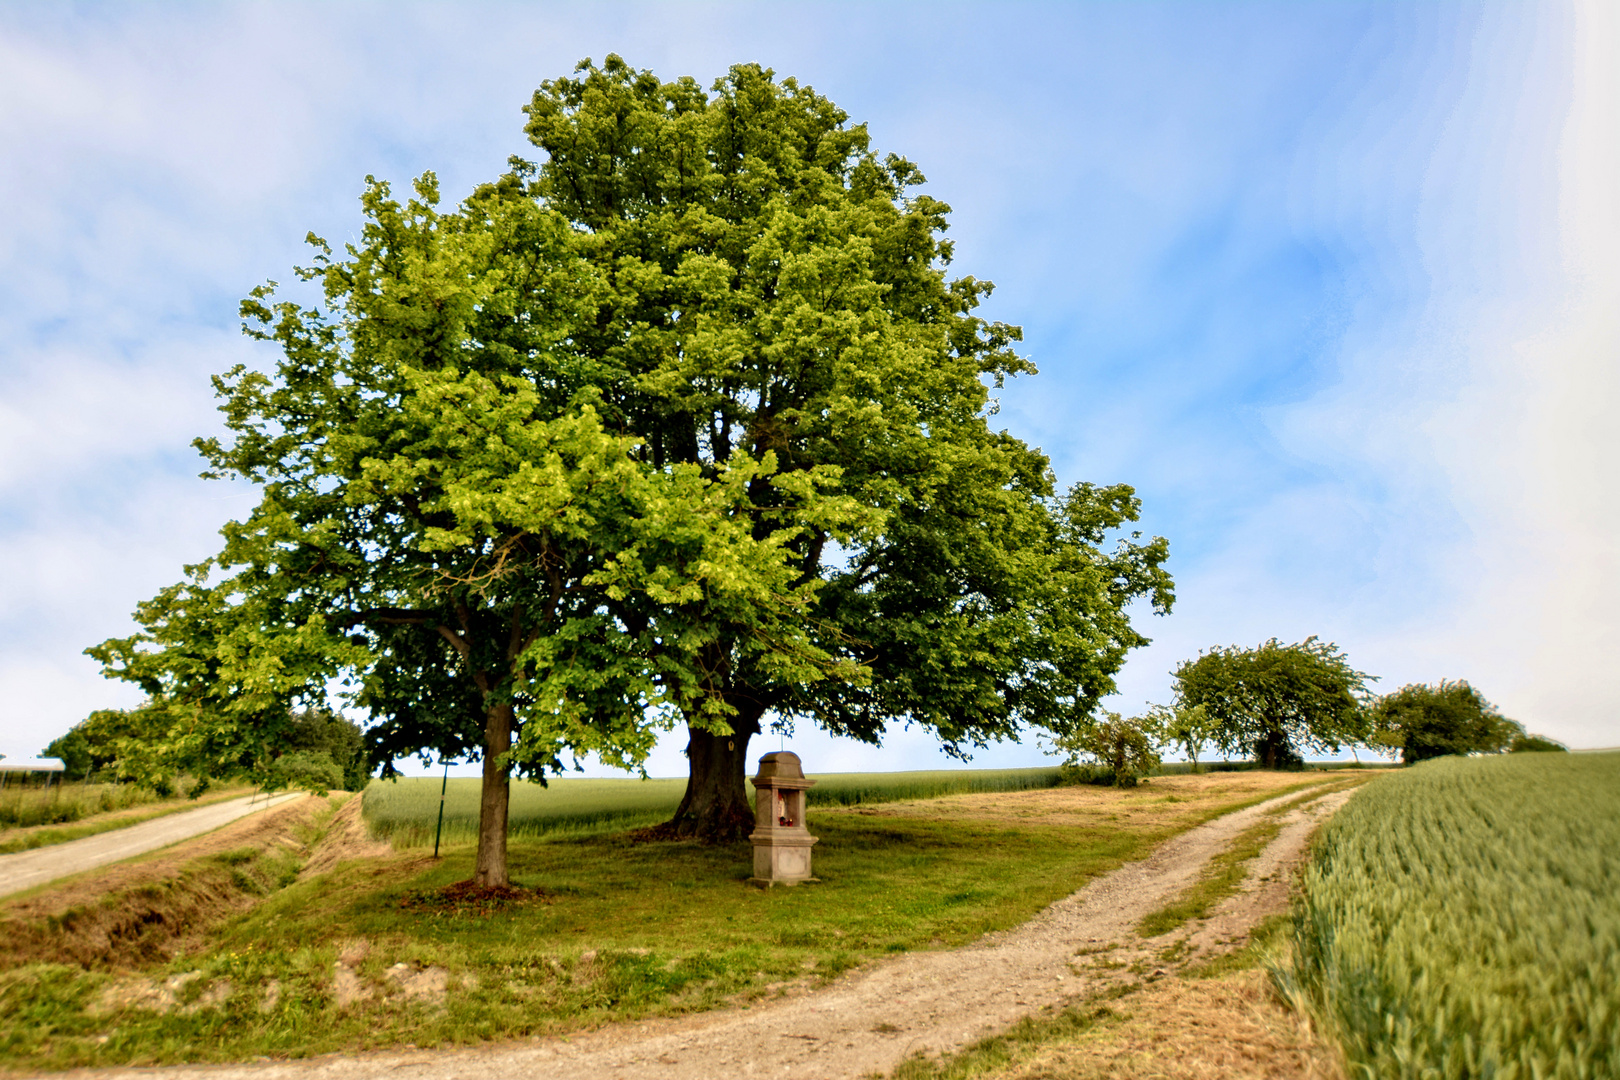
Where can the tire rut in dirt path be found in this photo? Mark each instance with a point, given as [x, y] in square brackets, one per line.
[872, 1019]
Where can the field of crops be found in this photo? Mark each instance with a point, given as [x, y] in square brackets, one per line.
[1462, 919]
[23, 807]
[405, 811]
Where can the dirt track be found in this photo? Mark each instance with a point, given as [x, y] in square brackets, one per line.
[26, 869]
[871, 1020]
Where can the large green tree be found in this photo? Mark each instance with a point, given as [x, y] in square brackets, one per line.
[1277, 701]
[778, 286]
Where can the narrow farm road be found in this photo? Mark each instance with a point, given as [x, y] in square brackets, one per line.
[871, 1020]
[26, 869]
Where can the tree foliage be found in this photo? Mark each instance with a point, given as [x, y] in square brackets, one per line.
[1189, 727]
[1536, 744]
[1427, 721]
[1276, 702]
[323, 732]
[447, 524]
[113, 743]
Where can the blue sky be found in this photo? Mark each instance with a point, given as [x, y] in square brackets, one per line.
[1331, 284]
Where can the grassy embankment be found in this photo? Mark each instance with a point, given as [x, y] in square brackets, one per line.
[33, 817]
[615, 930]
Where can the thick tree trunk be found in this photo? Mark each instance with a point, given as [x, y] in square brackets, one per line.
[1272, 749]
[717, 808]
[490, 871]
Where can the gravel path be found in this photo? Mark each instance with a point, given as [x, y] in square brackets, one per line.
[872, 1019]
[26, 869]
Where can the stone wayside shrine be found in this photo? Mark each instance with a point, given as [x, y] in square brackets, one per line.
[781, 840]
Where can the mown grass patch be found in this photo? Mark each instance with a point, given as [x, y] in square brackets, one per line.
[1462, 919]
[997, 1053]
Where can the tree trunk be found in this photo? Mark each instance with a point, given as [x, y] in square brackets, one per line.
[716, 807]
[1271, 749]
[490, 871]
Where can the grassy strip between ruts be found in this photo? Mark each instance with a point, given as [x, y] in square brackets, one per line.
[29, 838]
[374, 954]
[1226, 871]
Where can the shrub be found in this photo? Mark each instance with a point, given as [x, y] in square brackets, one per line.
[1126, 747]
[1536, 744]
[313, 770]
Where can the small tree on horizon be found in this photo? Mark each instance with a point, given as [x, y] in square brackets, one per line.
[1276, 701]
[1188, 727]
[1127, 746]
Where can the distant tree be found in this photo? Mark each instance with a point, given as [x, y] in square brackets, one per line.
[112, 743]
[1277, 701]
[1450, 717]
[313, 770]
[1189, 727]
[321, 731]
[74, 751]
[1126, 746]
[1536, 744]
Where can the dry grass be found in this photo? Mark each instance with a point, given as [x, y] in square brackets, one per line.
[1170, 803]
[1232, 1027]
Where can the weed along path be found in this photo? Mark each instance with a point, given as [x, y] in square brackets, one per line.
[26, 869]
[1102, 938]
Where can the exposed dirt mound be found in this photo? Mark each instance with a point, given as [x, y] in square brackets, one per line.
[470, 898]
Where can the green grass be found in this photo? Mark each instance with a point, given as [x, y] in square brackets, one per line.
[1221, 879]
[996, 1053]
[1462, 919]
[405, 811]
[621, 931]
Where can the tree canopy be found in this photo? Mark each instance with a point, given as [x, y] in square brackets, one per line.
[1277, 701]
[1426, 721]
[683, 423]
